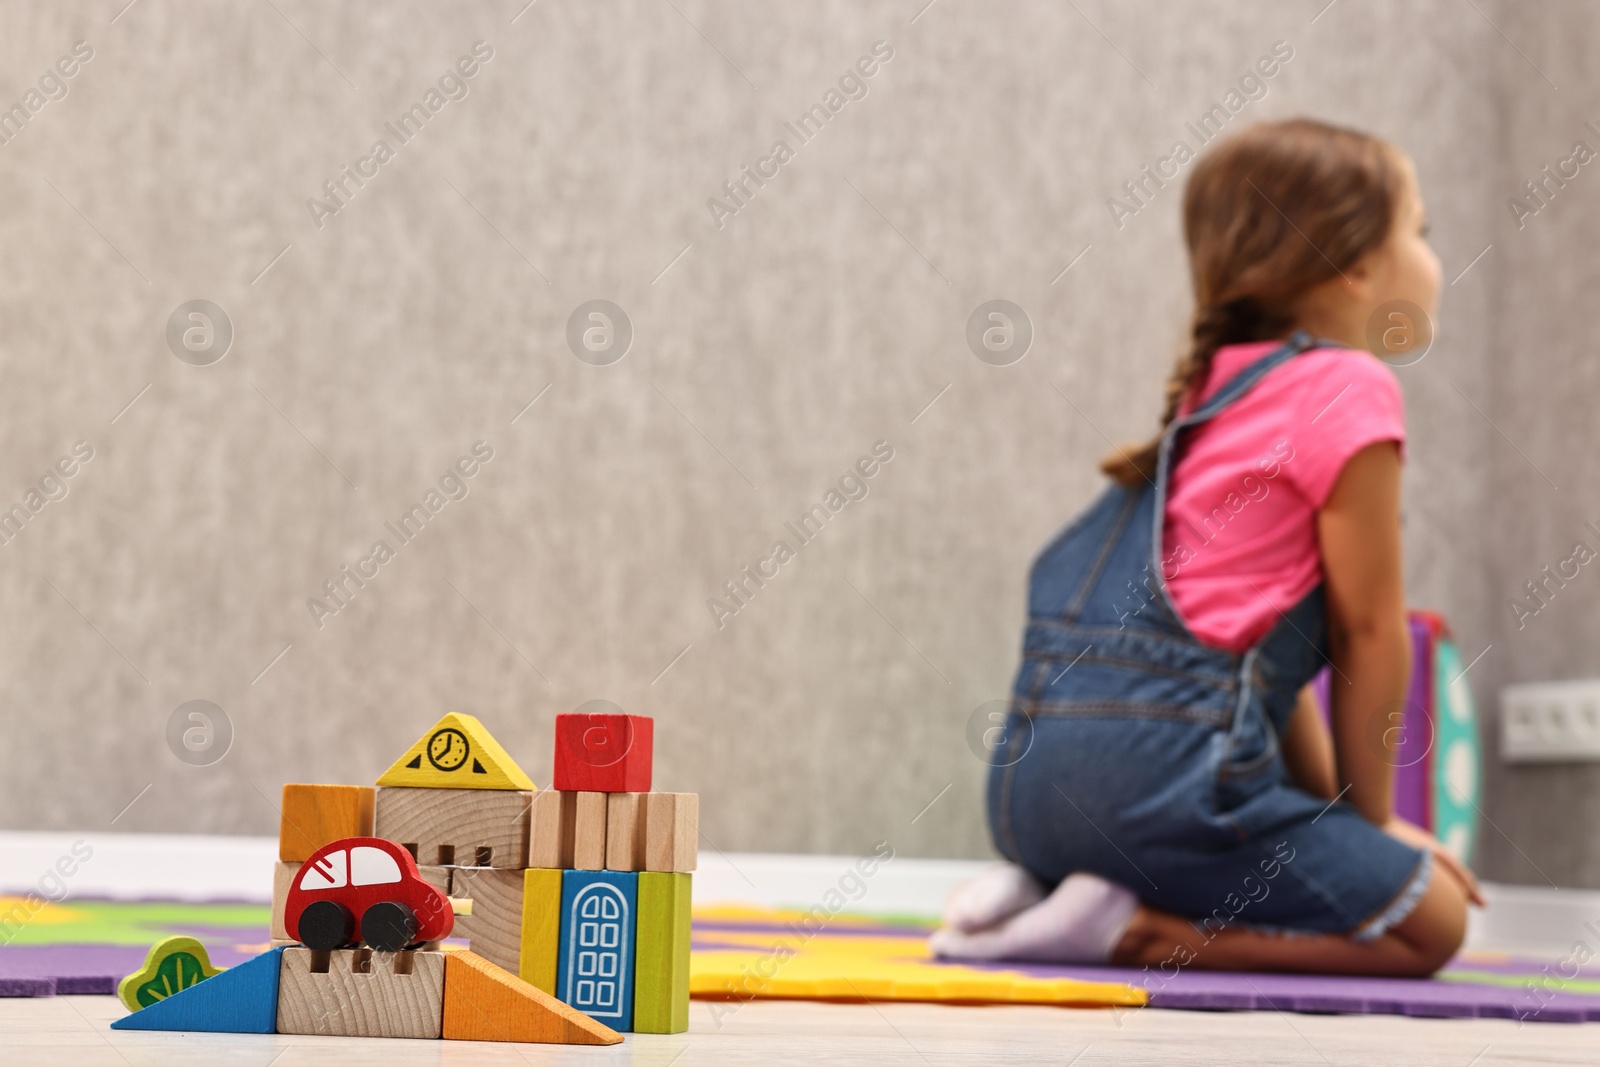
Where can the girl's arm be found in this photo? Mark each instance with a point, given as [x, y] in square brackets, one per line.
[1359, 532]
[1308, 749]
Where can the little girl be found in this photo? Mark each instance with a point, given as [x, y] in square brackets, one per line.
[1166, 772]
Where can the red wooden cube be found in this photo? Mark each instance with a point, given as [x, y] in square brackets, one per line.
[603, 753]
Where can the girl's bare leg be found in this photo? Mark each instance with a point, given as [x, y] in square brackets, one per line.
[1416, 947]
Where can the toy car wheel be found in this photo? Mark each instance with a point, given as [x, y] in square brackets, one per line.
[325, 925]
[388, 926]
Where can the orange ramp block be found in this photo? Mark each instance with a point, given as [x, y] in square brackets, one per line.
[482, 1002]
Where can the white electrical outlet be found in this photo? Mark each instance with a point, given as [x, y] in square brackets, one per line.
[1550, 722]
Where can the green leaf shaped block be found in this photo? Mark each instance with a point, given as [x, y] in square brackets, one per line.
[172, 965]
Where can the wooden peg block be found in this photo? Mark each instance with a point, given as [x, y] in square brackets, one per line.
[672, 831]
[625, 826]
[355, 992]
[314, 815]
[457, 827]
[541, 927]
[589, 832]
[551, 830]
[494, 929]
[661, 962]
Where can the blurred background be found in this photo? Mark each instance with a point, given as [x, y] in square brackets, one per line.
[270, 339]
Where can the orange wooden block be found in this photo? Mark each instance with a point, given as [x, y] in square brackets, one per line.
[314, 815]
[484, 1003]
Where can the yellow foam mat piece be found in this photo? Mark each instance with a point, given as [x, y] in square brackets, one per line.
[745, 953]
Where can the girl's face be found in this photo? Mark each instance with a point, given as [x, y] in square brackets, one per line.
[1404, 267]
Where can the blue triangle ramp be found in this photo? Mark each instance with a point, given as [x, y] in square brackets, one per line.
[240, 1000]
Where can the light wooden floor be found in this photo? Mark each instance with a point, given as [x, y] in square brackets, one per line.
[68, 1031]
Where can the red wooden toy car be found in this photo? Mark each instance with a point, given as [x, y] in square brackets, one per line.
[364, 889]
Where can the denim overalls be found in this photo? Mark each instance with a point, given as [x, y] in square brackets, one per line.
[1133, 751]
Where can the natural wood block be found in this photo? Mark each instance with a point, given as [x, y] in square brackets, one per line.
[551, 829]
[457, 827]
[589, 832]
[484, 1003]
[361, 993]
[541, 927]
[436, 876]
[313, 815]
[458, 753]
[625, 825]
[494, 929]
[661, 960]
[282, 877]
[672, 831]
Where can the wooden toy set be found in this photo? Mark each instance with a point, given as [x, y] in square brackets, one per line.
[574, 901]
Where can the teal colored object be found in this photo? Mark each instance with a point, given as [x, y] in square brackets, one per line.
[1457, 779]
[1438, 762]
[240, 1000]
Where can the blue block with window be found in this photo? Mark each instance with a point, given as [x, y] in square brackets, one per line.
[594, 970]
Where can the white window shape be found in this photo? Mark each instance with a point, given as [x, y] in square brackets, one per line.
[372, 866]
[326, 873]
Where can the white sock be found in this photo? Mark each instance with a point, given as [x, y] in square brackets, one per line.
[999, 892]
[1080, 922]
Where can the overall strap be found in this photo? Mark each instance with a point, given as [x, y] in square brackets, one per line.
[1298, 342]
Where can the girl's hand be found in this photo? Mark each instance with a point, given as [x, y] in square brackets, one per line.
[1417, 837]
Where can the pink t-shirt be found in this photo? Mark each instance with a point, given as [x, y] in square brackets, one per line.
[1240, 532]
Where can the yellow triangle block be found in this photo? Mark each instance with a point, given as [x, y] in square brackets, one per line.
[458, 753]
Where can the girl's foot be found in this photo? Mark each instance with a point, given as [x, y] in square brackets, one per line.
[998, 893]
[1081, 921]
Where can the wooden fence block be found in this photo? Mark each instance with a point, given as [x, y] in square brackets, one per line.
[625, 827]
[672, 831]
[589, 832]
[552, 825]
[661, 960]
[354, 992]
[541, 927]
[457, 827]
[494, 929]
[313, 815]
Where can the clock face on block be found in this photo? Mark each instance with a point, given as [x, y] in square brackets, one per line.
[456, 753]
[448, 749]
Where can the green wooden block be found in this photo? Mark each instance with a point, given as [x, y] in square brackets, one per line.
[661, 954]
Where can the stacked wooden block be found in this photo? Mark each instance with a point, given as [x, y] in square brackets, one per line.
[612, 860]
[581, 890]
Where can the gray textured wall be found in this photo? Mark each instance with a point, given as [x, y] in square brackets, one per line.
[769, 354]
[1544, 379]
